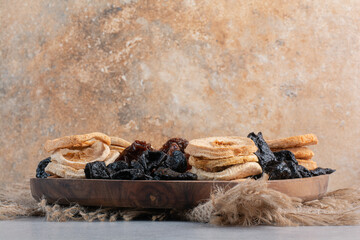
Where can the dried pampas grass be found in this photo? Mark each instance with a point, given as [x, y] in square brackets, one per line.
[252, 203]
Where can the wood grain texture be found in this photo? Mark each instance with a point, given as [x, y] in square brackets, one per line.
[156, 194]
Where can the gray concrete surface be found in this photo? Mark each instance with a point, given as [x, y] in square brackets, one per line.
[37, 228]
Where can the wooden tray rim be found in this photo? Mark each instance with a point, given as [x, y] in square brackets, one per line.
[177, 181]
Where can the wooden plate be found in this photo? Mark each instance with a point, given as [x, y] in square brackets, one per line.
[156, 194]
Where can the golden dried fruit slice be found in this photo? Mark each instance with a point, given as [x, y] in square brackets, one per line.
[309, 164]
[76, 141]
[215, 165]
[77, 158]
[231, 173]
[299, 152]
[220, 147]
[119, 142]
[291, 142]
[57, 169]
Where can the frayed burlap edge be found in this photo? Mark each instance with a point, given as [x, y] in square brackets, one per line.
[16, 201]
[76, 212]
[247, 204]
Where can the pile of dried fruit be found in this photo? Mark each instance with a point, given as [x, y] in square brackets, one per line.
[281, 165]
[140, 161]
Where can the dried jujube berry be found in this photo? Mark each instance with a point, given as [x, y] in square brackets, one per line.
[174, 144]
[134, 151]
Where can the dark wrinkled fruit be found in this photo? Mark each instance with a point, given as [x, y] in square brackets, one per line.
[137, 165]
[180, 142]
[134, 151]
[322, 171]
[40, 170]
[289, 159]
[278, 171]
[117, 166]
[283, 164]
[177, 161]
[173, 147]
[265, 155]
[167, 174]
[153, 159]
[139, 161]
[129, 174]
[96, 170]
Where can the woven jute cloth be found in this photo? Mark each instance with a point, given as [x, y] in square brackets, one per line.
[248, 203]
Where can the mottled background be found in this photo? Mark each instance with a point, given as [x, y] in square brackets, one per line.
[158, 69]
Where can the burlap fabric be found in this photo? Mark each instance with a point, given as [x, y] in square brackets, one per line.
[249, 203]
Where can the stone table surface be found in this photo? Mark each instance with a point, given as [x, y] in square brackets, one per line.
[37, 228]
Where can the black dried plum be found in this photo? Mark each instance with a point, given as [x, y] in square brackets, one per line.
[134, 151]
[289, 156]
[322, 171]
[304, 171]
[279, 165]
[167, 174]
[137, 165]
[283, 164]
[117, 166]
[40, 170]
[180, 142]
[140, 161]
[96, 170]
[177, 161]
[129, 174]
[156, 156]
[265, 155]
[291, 162]
[278, 171]
[143, 160]
[154, 159]
[188, 176]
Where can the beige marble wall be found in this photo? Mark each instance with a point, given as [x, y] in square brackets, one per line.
[157, 69]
